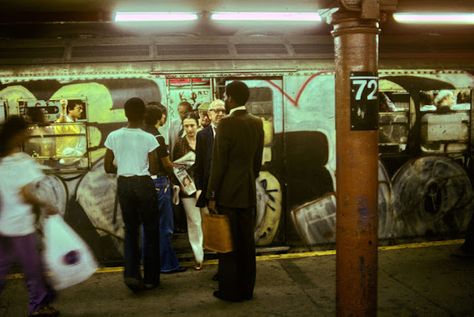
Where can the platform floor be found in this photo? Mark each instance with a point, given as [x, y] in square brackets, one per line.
[413, 280]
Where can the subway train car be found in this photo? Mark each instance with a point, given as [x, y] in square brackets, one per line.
[425, 124]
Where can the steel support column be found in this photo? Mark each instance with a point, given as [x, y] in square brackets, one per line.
[356, 51]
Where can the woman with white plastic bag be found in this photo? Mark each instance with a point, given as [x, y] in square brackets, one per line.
[67, 257]
[18, 240]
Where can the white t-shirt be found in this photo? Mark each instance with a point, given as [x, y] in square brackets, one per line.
[17, 171]
[131, 148]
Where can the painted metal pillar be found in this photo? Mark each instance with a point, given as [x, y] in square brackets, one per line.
[356, 64]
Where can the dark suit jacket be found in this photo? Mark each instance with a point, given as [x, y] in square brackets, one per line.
[236, 160]
[202, 166]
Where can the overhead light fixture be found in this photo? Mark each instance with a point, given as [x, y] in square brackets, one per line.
[122, 16]
[265, 16]
[434, 18]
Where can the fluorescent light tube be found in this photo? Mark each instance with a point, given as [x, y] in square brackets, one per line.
[265, 16]
[434, 18]
[154, 16]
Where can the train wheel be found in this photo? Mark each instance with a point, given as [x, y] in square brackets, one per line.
[432, 195]
[269, 200]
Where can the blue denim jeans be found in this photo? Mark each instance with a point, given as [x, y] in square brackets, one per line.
[137, 197]
[168, 259]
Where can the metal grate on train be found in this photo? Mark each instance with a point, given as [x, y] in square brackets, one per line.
[261, 49]
[192, 49]
[313, 48]
[31, 52]
[111, 51]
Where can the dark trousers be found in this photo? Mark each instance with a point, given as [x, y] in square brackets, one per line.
[237, 269]
[138, 201]
[24, 250]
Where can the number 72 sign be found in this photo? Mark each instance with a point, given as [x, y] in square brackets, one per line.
[364, 101]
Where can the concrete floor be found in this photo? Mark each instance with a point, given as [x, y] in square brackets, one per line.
[413, 281]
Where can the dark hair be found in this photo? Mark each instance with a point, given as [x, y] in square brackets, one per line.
[134, 109]
[238, 91]
[36, 116]
[186, 104]
[71, 105]
[160, 106]
[12, 126]
[192, 115]
[152, 114]
[163, 109]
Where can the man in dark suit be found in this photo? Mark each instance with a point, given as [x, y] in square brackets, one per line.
[204, 145]
[236, 162]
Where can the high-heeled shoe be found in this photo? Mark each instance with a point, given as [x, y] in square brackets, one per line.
[198, 266]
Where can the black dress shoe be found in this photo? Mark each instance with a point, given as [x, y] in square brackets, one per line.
[148, 287]
[219, 295]
[135, 285]
[248, 297]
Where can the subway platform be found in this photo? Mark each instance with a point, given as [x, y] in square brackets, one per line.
[418, 279]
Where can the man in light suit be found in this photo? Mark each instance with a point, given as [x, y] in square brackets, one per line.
[204, 145]
[236, 162]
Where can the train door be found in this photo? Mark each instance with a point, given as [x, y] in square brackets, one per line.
[193, 91]
[266, 102]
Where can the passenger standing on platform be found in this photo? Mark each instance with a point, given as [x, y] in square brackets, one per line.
[183, 146]
[176, 132]
[204, 119]
[134, 152]
[177, 129]
[236, 162]
[204, 144]
[19, 174]
[168, 260]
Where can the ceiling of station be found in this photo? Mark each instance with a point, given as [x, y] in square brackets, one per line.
[93, 19]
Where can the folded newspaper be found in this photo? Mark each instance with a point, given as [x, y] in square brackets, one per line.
[187, 159]
[185, 180]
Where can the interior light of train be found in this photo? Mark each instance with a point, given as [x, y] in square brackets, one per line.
[434, 18]
[265, 16]
[121, 16]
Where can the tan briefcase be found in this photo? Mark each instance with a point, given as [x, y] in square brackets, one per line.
[217, 235]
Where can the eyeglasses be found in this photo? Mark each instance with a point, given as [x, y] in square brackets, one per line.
[218, 110]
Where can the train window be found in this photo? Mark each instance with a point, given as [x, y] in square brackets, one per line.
[393, 121]
[445, 120]
[62, 146]
[195, 91]
[192, 90]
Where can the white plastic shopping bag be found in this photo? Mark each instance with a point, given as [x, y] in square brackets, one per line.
[67, 257]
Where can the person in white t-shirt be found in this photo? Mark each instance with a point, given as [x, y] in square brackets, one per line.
[19, 174]
[134, 153]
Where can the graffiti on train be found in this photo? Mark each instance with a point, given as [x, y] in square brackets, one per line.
[424, 144]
